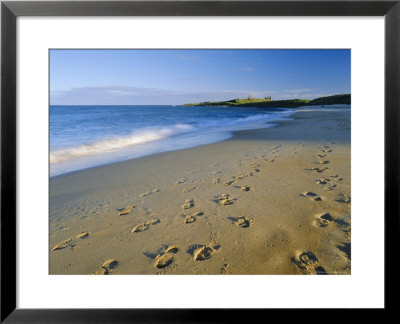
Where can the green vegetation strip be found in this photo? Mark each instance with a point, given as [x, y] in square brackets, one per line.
[292, 103]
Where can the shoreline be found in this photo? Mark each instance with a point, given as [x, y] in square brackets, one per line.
[269, 228]
[234, 135]
[163, 145]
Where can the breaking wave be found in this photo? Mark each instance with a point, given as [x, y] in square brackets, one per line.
[117, 143]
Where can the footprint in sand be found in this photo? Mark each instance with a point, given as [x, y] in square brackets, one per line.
[329, 186]
[190, 189]
[323, 181]
[346, 249]
[308, 262]
[327, 151]
[241, 221]
[62, 245]
[337, 177]
[203, 252]
[225, 199]
[144, 226]
[320, 155]
[83, 235]
[229, 183]
[124, 211]
[192, 218]
[255, 166]
[245, 188]
[107, 267]
[323, 220]
[127, 210]
[189, 203]
[179, 181]
[343, 198]
[165, 259]
[323, 162]
[225, 269]
[311, 195]
[148, 193]
[216, 180]
[318, 170]
[248, 174]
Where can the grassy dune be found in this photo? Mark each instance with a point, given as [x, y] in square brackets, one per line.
[292, 103]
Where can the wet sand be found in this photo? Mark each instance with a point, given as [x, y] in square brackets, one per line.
[267, 201]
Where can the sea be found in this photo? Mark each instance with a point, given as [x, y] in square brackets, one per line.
[87, 136]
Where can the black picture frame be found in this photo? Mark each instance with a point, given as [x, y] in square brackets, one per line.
[10, 10]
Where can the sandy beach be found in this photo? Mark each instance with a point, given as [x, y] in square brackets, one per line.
[266, 201]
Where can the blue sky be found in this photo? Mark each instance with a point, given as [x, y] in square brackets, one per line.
[171, 77]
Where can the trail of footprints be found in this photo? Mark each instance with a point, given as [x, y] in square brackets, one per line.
[306, 261]
[200, 252]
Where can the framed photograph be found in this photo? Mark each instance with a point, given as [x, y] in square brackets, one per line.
[162, 158]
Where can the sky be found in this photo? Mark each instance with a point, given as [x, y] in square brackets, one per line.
[174, 77]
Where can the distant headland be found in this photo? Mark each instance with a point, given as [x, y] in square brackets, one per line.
[268, 102]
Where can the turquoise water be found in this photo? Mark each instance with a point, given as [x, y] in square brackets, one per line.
[87, 136]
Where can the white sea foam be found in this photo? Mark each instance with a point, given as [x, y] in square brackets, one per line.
[117, 143]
